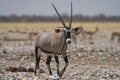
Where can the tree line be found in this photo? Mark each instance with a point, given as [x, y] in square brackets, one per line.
[76, 18]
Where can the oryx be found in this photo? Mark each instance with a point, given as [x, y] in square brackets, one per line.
[54, 43]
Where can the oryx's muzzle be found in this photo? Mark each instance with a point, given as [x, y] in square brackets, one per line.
[68, 41]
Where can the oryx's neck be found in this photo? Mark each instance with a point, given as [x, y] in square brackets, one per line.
[62, 37]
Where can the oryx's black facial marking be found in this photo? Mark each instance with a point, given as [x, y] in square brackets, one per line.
[68, 34]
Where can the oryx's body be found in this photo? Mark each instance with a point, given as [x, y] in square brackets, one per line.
[51, 42]
[54, 43]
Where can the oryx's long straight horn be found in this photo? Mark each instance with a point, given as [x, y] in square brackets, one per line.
[71, 16]
[59, 15]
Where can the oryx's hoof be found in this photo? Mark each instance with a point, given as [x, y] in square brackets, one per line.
[56, 77]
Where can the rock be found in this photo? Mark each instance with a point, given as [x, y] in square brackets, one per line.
[5, 51]
[30, 70]
[22, 69]
[41, 71]
[11, 69]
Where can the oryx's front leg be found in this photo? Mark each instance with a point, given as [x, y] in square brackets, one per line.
[57, 61]
[48, 64]
[66, 64]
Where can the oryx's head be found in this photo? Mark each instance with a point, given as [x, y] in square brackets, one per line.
[67, 29]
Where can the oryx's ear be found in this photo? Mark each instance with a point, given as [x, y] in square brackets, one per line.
[76, 29]
[57, 30]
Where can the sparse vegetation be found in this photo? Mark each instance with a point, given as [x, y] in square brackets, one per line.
[93, 59]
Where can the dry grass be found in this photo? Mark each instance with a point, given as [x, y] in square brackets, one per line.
[109, 26]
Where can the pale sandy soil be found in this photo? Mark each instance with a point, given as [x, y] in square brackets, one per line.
[91, 60]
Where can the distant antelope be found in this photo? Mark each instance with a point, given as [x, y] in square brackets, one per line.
[31, 34]
[76, 32]
[54, 43]
[115, 34]
[90, 33]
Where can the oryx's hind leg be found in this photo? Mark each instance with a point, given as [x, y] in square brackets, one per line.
[66, 64]
[37, 59]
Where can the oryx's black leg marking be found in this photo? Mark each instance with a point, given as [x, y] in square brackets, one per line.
[48, 64]
[38, 61]
[66, 61]
[57, 61]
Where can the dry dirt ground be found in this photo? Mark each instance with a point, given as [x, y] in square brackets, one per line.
[95, 59]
